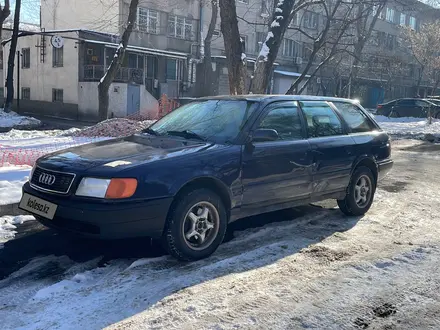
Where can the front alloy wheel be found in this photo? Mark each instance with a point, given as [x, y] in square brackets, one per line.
[201, 226]
[196, 225]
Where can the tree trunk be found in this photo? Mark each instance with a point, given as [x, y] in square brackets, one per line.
[234, 48]
[11, 59]
[106, 81]
[5, 11]
[294, 88]
[270, 48]
[205, 85]
[419, 79]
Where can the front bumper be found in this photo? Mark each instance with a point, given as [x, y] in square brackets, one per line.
[384, 167]
[104, 219]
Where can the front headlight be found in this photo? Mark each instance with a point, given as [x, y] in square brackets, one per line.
[107, 188]
[91, 187]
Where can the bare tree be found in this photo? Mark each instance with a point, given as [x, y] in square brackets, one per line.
[11, 59]
[424, 45]
[5, 11]
[234, 47]
[115, 65]
[205, 83]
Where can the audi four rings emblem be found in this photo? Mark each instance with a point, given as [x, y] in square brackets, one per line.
[47, 179]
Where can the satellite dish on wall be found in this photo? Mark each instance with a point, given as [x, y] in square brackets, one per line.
[57, 41]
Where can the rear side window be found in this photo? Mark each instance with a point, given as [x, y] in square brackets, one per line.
[356, 120]
[321, 119]
[285, 120]
[406, 103]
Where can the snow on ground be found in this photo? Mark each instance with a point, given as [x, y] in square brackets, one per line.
[321, 270]
[13, 120]
[408, 127]
[12, 178]
[8, 225]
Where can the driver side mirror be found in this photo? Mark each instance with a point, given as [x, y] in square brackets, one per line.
[264, 135]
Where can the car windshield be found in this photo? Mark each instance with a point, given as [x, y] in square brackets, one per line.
[219, 121]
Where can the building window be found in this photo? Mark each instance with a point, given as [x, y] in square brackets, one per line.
[57, 95]
[390, 42]
[25, 93]
[180, 27]
[402, 19]
[288, 48]
[57, 57]
[26, 58]
[216, 33]
[412, 22]
[310, 20]
[295, 20]
[243, 40]
[2, 93]
[390, 15]
[147, 20]
[171, 69]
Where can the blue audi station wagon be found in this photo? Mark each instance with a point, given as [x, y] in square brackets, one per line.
[209, 163]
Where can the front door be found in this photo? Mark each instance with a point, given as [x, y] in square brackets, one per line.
[133, 99]
[332, 149]
[277, 172]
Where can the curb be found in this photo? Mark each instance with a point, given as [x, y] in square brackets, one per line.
[11, 209]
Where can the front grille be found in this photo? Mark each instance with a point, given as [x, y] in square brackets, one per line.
[52, 181]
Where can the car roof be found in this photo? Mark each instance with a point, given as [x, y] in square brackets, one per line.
[271, 97]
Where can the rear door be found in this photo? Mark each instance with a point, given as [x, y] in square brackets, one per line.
[277, 172]
[332, 148]
[407, 108]
[370, 141]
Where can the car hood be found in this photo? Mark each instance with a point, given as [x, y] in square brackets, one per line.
[121, 153]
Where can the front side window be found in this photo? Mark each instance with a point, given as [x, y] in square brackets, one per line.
[321, 119]
[356, 120]
[285, 120]
[219, 121]
[180, 27]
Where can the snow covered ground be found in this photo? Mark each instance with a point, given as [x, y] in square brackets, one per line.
[408, 127]
[14, 120]
[8, 225]
[320, 270]
[11, 180]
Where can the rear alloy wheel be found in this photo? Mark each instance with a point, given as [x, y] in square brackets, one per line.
[360, 193]
[394, 114]
[196, 225]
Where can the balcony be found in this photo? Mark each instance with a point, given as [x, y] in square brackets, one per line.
[124, 75]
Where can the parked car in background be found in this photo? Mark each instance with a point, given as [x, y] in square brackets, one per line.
[410, 107]
[209, 163]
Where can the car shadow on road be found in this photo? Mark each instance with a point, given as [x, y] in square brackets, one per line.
[250, 243]
[34, 240]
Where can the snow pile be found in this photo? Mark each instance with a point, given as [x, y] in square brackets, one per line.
[11, 180]
[13, 120]
[8, 224]
[408, 127]
[116, 127]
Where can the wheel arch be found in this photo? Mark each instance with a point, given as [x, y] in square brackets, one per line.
[369, 163]
[207, 182]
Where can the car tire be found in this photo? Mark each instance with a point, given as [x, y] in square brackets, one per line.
[358, 200]
[394, 114]
[195, 226]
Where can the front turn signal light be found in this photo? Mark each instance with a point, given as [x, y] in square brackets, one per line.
[121, 188]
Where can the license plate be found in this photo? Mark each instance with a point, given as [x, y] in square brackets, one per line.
[38, 206]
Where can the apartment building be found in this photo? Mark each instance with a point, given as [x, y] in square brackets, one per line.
[62, 79]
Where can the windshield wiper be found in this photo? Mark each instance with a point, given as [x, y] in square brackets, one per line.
[150, 131]
[187, 134]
